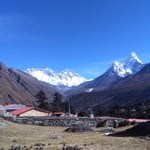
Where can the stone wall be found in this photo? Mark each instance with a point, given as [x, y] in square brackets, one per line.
[64, 121]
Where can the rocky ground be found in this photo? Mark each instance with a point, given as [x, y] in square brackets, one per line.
[28, 137]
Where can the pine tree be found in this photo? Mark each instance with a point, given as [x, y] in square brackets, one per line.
[58, 105]
[42, 101]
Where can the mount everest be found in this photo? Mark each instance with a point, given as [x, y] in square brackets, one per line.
[64, 78]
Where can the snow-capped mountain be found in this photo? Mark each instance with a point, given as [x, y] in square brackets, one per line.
[120, 69]
[116, 72]
[130, 66]
[64, 78]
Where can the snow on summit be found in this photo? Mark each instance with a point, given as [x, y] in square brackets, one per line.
[129, 66]
[66, 77]
[121, 70]
[135, 57]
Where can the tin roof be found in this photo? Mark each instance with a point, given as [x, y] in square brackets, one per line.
[25, 109]
[21, 110]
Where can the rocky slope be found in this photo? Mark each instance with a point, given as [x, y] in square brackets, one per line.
[19, 87]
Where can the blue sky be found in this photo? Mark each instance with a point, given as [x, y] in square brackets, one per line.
[82, 35]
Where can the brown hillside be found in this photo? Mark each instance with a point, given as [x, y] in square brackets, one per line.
[19, 87]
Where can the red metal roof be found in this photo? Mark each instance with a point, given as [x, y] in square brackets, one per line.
[20, 111]
[25, 109]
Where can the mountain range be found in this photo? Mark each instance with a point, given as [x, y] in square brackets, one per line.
[59, 79]
[116, 72]
[72, 83]
[112, 88]
[124, 83]
[127, 91]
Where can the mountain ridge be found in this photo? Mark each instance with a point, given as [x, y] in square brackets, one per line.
[19, 87]
[126, 92]
[64, 78]
[116, 72]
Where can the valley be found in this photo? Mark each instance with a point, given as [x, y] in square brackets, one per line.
[123, 85]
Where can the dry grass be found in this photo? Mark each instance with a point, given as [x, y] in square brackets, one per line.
[54, 138]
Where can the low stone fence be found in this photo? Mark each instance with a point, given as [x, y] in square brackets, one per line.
[66, 121]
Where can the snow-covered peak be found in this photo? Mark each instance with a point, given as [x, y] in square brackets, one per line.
[129, 66]
[66, 77]
[120, 69]
[135, 57]
[133, 63]
[69, 73]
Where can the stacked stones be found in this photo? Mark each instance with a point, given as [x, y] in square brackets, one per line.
[79, 126]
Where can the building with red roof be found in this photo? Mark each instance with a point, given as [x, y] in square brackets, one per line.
[30, 111]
